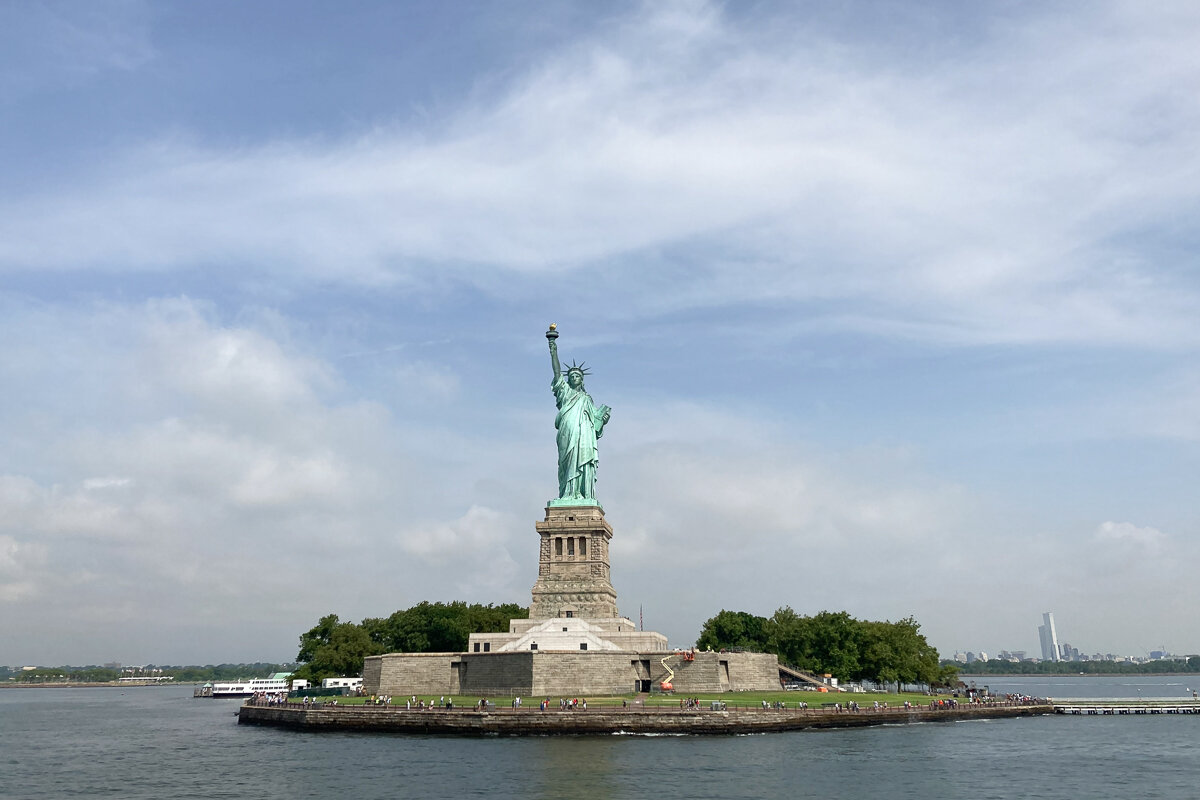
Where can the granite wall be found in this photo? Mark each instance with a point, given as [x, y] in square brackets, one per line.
[565, 673]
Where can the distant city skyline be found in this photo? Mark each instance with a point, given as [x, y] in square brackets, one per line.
[1052, 650]
[1048, 637]
[970, 656]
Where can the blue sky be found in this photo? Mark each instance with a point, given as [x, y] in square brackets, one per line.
[894, 306]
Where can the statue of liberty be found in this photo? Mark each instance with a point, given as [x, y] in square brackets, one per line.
[580, 422]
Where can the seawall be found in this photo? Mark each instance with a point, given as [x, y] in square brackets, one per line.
[532, 722]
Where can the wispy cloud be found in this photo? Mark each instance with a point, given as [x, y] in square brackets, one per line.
[1001, 194]
[1126, 533]
[49, 44]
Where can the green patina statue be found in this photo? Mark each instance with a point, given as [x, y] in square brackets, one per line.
[580, 422]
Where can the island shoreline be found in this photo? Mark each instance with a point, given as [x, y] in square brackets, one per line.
[504, 722]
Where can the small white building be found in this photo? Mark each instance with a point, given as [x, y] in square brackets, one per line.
[341, 683]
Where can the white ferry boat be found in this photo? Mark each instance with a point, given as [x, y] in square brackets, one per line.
[279, 682]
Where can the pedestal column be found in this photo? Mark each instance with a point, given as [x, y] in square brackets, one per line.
[573, 571]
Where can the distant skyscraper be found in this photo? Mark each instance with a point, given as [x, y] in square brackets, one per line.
[1049, 638]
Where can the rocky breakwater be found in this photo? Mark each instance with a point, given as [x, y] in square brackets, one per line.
[603, 720]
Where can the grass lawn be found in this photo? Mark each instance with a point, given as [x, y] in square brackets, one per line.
[731, 699]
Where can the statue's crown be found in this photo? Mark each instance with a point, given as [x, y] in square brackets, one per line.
[580, 368]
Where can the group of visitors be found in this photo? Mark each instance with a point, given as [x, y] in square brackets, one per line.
[563, 704]
[420, 705]
[780, 705]
[269, 698]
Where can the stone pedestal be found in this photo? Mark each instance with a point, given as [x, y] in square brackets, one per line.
[573, 572]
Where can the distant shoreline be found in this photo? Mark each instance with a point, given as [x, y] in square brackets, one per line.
[94, 684]
[1081, 675]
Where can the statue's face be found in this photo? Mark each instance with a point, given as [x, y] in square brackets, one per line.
[574, 379]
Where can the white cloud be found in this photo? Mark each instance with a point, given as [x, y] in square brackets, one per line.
[58, 510]
[92, 484]
[19, 563]
[229, 461]
[475, 551]
[225, 365]
[1126, 533]
[723, 469]
[223, 468]
[715, 509]
[460, 538]
[195, 509]
[981, 198]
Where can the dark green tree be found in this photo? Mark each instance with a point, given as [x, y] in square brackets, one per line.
[734, 629]
[896, 652]
[440, 627]
[332, 649]
[830, 642]
[947, 677]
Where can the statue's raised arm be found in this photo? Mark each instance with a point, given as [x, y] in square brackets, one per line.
[579, 422]
[552, 337]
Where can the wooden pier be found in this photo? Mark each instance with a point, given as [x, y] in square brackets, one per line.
[1088, 708]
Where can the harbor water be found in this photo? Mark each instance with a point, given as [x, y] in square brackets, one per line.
[159, 742]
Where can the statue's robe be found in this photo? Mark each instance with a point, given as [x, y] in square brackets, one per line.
[580, 423]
